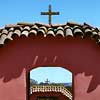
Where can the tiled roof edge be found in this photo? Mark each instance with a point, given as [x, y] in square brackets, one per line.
[69, 29]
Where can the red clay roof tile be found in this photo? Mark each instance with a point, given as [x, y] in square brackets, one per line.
[69, 29]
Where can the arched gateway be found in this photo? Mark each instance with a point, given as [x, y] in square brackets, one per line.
[50, 83]
[26, 46]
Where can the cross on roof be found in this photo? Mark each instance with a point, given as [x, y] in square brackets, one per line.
[47, 81]
[50, 13]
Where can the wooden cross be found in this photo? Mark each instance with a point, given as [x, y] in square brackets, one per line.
[50, 13]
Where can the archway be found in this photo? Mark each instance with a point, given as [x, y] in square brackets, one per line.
[50, 83]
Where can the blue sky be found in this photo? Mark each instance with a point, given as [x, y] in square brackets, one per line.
[53, 74]
[80, 11]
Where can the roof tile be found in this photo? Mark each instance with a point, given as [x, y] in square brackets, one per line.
[70, 29]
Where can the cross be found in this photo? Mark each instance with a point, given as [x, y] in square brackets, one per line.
[47, 81]
[50, 13]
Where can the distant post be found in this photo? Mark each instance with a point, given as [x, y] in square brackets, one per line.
[47, 81]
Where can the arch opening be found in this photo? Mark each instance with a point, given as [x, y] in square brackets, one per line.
[50, 83]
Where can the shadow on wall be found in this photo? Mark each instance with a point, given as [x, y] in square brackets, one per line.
[79, 56]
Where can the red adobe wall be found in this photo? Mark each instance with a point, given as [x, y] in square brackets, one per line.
[15, 89]
[18, 57]
[48, 94]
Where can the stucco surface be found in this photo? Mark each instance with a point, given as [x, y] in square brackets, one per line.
[78, 56]
[14, 89]
[82, 83]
